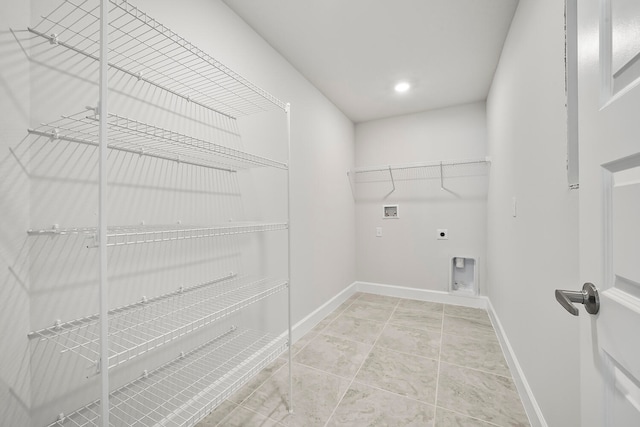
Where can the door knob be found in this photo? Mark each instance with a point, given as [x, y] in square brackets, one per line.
[588, 296]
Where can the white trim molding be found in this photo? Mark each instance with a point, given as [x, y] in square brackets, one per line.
[421, 294]
[536, 418]
[305, 325]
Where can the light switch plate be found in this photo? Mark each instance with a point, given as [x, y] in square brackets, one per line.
[378, 231]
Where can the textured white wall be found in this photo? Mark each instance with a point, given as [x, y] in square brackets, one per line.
[536, 252]
[15, 386]
[323, 247]
[408, 253]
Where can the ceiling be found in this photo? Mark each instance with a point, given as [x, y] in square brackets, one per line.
[354, 51]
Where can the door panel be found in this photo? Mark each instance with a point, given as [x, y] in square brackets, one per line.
[620, 24]
[609, 132]
[625, 208]
[623, 395]
[626, 35]
[620, 293]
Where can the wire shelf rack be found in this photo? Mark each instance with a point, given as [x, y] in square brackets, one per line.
[361, 179]
[137, 234]
[182, 392]
[138, 328]
[139, 138]
[148, 51]
[416, 171]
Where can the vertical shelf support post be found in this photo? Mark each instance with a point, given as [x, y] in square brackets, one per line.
[102, 217]
[288, 112]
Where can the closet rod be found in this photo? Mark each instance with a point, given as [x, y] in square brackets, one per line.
[387, 168]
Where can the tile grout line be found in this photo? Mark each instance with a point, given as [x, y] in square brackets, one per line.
[413, 399]
[471, 417]
[479, 322]
[328, 334]
[393, 350]
[467, 335]
[238, 406]
[361, 364]
[472, 369]
[478, 370]
[435, 403]
[321, 371]
[473, 338]
[339, 313]
[476, 338]
[241, 404]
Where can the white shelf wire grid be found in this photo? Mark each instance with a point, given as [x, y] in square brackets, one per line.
[139, 138]
[138, 328]
[138, 234]
[417, 171]
[182, 392]
[145, 49]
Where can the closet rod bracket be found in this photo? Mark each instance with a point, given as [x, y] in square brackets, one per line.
[393, 182]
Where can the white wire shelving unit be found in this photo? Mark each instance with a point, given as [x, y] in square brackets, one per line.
[143, 48]
[122, 40]
[136, 137]
[146, 325]
[139, 234]
[437, 170]
[184, 390]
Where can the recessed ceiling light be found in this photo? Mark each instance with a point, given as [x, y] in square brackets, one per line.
[402, 87]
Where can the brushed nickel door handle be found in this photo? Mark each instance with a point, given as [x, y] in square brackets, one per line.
[588, 297]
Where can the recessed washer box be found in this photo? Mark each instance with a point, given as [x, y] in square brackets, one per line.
[389, 211]
[463, 275]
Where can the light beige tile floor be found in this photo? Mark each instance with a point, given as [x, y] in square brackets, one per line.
[384, 361]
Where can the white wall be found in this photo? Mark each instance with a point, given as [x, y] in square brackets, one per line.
[15, 389]
[323, 247]
[56, 278]
[536, 252]
[408, 253]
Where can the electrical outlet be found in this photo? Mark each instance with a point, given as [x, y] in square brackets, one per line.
[442, 234]
[378, 231]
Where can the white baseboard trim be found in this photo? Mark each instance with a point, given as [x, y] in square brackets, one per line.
[310, 321]
[421, 294]
[531, 407]
[305, 325]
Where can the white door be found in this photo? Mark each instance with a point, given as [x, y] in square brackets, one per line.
[609, 123]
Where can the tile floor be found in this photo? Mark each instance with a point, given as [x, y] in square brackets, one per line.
[384, 361]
